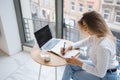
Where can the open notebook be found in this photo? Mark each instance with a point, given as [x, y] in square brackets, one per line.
[56, 50]
[69, 54]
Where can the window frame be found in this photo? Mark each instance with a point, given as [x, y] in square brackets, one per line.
[115, 17]
[72, 6]
[44, 15]
[106, 13]
[88, 8]
[81, 7]
[117, 2]
[108, 1]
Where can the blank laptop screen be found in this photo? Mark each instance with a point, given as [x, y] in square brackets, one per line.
[43, 35]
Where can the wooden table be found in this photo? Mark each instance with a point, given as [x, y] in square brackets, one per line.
[54, 62]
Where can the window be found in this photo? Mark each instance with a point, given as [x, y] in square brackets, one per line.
[106, 14]
[72, 22]
[72, 6]
[90, 7]
[47, 2]
[44, 13]
[80, 7]
[118, 1]
[37, 14]
[117, 17]
[71, 18]
[108, 1]
[42, 2]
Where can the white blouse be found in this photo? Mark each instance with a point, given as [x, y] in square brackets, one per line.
[102, 54]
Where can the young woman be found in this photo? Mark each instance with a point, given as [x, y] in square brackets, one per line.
[102, 63]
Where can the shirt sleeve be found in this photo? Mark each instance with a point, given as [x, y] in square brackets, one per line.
[82, 43]
[100, 68]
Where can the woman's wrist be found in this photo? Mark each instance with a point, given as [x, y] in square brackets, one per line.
[80, 64]
[71, 48]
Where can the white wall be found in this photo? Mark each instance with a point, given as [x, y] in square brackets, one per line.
[3, 45]
[9, 39]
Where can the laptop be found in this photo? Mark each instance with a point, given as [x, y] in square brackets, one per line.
[46, 41]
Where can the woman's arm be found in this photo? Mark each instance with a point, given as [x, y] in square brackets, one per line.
[77, 45]
[100, 69]
[82, 43]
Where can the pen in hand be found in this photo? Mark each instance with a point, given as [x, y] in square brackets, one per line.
[64, 48]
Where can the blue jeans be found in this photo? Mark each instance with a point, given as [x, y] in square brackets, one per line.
[77, 73]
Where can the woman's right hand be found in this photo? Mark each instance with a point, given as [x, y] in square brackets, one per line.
[64, 50]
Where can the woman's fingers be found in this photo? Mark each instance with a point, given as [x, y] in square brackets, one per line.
[68, 59]
[74, 61]
[62, 51]
[73, 57]
[71, 60]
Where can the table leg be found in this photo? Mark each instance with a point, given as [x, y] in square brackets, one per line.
[39, 72]
[55, 73]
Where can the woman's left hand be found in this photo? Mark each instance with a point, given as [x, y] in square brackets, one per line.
[74, 61]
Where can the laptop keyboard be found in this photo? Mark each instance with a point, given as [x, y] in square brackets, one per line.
[52, 44]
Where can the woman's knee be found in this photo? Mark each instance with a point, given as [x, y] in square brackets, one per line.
[68, 66]
[77, 75]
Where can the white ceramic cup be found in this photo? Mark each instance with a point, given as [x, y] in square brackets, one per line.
[47, 57]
